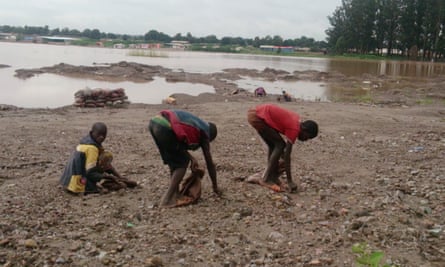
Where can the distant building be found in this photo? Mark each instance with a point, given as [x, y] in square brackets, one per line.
[7, 36]
[302, 49]
[55, 39]
[178, 44]
[119, 46]
[30, 38]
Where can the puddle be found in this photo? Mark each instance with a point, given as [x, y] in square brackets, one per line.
[52, 91]
[298, 89]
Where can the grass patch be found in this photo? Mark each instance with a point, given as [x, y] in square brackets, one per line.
[425, 101]
[146, 53]
[365, 256]
[365, 98]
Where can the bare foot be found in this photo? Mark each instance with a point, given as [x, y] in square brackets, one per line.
[257, 179]
[273, 187]
[168, 203]
[184, 201]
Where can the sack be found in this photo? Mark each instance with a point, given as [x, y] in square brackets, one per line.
[190, 189]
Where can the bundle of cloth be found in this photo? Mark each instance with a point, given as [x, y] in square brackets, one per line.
[190, 188]
[97, 98]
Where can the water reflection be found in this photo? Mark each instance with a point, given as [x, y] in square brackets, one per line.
[54, 91]
[412, 69]
[299, 89]
[49, 90]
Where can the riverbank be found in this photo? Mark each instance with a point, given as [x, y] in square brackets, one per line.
[375, 175]
[370, 89]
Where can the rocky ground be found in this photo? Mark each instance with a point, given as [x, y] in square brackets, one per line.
[375, 175]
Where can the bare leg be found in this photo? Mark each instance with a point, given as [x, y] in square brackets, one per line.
[173, 191]
[276, 146]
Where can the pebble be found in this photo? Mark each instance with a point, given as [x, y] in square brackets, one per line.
[155, 261]
[275, 236]
[30, 243]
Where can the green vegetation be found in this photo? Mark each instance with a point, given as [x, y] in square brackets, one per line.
[368, 257]
[405, 28]
[425, 101]
[364, 29]
[365, 98]
[84, 42]
[367, 56]
[208, 43]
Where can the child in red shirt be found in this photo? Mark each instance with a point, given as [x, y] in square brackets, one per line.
[270, 121]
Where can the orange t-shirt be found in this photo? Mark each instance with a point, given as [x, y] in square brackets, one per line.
[284, 121]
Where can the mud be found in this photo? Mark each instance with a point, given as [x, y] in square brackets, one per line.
[375, 174]
[382, 90]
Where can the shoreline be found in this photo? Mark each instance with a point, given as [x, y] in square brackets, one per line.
[378, 90]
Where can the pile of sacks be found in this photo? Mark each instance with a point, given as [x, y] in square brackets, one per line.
[97, 98]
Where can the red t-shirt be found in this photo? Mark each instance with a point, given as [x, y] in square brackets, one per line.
[284, 121]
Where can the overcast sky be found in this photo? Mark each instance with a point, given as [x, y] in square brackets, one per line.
[289, 19]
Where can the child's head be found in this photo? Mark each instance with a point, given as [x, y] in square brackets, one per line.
[99, 132]
[213, 131]
[308, 130]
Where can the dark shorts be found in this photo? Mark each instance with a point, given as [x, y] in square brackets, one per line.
[173, 153]
[256, 122]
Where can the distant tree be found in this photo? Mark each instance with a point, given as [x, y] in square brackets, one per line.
[164, 38]
[95, 34]
[408, 26]
[256, 41]
[111, 36]
[151, 35]
[338, 21]
[156, 36]
[277, 40]
[267, 40]
[395, 25]
[178, 37]
[304, 41]
[6, 28]
[362, 25]
[75, 33]
[433, 27]
[341, 45]
[86, 33]
[65, 31]
[55, 32]
[189, 37]
[211, 39]
[226, 40]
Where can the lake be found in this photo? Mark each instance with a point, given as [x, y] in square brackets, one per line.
[50, 90]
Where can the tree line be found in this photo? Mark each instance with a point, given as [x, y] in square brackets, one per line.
[154, 36]
[408, 28]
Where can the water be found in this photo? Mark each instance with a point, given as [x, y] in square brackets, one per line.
[299, 89]
[49, 90]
